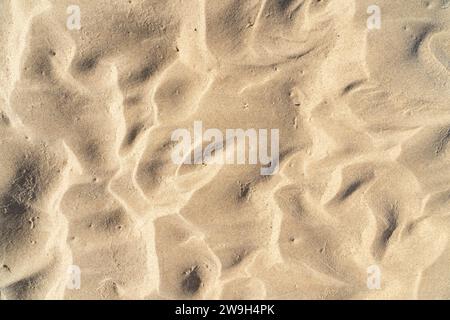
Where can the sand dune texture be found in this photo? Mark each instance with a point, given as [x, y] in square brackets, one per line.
[87, 180]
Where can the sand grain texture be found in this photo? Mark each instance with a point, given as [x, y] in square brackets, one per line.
[86, 176]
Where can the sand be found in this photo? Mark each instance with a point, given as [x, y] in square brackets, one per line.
[93, 207]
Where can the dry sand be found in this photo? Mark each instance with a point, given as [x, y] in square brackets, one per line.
[86, 177]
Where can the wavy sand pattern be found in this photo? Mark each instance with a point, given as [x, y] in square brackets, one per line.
[86, 176]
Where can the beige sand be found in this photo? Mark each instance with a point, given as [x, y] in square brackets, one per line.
[86, 177]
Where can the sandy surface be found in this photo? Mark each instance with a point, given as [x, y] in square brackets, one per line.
[87, 182]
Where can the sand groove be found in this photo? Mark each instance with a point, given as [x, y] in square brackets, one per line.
[86, 175]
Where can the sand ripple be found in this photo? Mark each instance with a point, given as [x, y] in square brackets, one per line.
[86, 177]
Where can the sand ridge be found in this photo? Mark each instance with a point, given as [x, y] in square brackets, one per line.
[86, 176]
